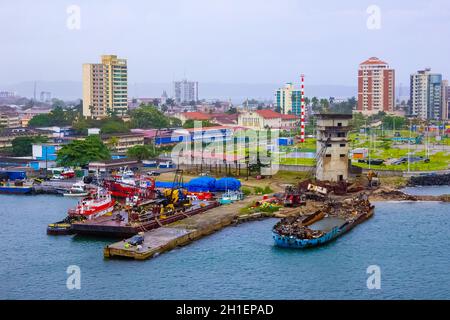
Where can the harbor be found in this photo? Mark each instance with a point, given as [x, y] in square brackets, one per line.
[238, 256]
[132, 223]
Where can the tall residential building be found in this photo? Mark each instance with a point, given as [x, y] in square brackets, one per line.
[376, 87]
[105, 87]
[289, 100]
[426, 95]
[445, 99]
[185, 91]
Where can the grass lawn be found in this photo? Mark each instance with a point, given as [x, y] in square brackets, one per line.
[438, 161]
[297, 161]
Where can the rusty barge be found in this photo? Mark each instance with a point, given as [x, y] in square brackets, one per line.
[127, 223]
[323, 226]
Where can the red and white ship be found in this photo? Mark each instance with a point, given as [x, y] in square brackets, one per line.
[126, 187]
[97, 204]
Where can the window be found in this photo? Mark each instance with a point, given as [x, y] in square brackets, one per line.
[341, 134]
[342, 155]
[328, 155]
[339, 124]
[342, 145]
[328, 145]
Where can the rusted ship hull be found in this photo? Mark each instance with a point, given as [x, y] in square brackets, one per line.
[297, 243]
[108, 227]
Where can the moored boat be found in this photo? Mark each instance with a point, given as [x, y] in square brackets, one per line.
[78, 189]
[97, 204]
[323, 226]
[17, 187]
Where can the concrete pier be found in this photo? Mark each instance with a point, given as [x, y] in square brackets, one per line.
[187, 230]
[180, 233]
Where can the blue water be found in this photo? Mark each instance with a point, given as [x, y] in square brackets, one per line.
[409, 241]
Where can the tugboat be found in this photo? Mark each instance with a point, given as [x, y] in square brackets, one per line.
[323, 226]
[97, 204]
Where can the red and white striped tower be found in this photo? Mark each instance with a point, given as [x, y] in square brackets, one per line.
[302, 109]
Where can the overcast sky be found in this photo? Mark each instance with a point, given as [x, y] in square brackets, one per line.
[233, 41]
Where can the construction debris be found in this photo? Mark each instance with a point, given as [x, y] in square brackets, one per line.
[347, 210]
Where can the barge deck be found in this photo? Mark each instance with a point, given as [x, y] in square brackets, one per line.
[179, 233]
[117, 224]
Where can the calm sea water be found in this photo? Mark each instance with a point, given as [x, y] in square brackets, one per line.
[409, 241]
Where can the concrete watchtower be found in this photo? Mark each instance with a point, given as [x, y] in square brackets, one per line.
[332, 146]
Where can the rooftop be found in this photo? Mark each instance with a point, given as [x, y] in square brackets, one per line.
[372, 61]
[196, 115]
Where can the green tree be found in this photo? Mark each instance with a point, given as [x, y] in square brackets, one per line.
[40, 120]
[57, 103]
[79, 153]
[114, 125]
[205, 123]
[170, 102]
[175, 122]
[112, 143]
[80, 126]
[57, 117]
[314, 103]
[142, 152]
[147, 117]
[232, 110]
[23, 146]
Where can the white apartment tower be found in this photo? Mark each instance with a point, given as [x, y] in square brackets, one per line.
[426, 95]
[185, 91]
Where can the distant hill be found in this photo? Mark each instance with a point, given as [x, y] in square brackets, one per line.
[69, 90]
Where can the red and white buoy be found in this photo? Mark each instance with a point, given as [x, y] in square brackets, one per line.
[302, 109]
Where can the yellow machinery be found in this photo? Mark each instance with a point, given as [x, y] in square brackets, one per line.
[372, 176]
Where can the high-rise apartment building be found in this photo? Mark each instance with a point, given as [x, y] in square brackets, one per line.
[105, 87]
[376, 87]
[426, 96]
[289, 100]
[445, 99]
[185, 91]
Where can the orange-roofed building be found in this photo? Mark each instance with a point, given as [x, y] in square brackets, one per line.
[262, 119]
[376, 87]
[196, 116]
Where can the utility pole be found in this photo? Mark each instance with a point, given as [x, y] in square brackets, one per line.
[409, 143]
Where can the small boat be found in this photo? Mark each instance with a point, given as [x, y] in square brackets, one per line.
[99, 203]
[77, 190]
[16, 187]
[166, 165]
[75, 194]
[231, 196]
[319, 228]
[149, 163]
[63, 227]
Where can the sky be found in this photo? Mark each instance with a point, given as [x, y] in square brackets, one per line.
[224, 41]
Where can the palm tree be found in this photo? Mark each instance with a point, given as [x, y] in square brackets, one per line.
[112, 143]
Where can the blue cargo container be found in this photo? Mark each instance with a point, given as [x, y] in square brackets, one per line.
[285, 141]
[16, 175]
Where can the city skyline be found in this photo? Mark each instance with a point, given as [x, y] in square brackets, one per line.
[225, 42]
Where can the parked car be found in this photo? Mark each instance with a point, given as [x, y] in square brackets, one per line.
[136, 240]
[153, 173]
[376, 162]
[58, 177]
